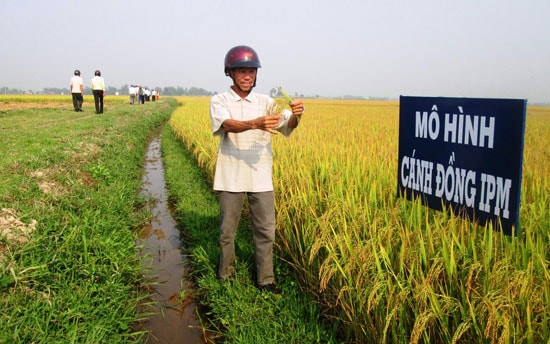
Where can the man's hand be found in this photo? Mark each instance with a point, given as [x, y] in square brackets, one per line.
[268, 123]
[297, 107]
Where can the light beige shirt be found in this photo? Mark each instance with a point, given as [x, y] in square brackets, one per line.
[245, 159]
[98, 83]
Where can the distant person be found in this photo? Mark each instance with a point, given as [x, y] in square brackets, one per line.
[77, 91]
[154, 94]
[147, 94]
[141, 95]
[133, 91]
[98, 89]
[244, 123]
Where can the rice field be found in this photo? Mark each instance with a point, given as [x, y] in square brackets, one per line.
[387, 269]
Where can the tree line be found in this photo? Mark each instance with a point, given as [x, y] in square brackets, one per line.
[123, 90]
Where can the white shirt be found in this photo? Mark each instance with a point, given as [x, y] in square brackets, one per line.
[245, 159]
[76, 82]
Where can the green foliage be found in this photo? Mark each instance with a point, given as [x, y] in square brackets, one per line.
[101, 172]
[70, 182]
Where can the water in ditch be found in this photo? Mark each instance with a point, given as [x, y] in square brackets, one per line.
[174, 319]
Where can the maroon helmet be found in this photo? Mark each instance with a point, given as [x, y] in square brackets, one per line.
[241, 56]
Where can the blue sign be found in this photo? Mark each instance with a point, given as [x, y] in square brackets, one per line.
[464, 153]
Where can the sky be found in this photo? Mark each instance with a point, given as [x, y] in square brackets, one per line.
[467, 48]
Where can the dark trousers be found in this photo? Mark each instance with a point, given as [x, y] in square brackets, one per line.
[98, 99]
[77, 101]
[262, 211]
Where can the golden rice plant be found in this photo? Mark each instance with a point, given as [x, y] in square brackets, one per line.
[387, 269]
[191, 122]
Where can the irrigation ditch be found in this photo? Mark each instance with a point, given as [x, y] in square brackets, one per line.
[174, 318]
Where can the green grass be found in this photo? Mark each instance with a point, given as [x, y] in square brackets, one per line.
[71, 182]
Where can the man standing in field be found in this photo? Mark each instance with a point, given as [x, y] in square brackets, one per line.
[98, 89]
[77, 91]
[242, 120]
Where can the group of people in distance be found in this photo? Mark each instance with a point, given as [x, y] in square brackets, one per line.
[142, 94]
[77, 91]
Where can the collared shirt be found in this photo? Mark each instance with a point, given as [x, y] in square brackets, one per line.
[98, 83]
[76, 84]
[245, 159]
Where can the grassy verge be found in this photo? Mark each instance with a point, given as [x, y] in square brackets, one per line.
[236, 310]
[69, 182]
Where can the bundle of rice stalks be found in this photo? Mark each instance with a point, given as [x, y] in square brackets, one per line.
[280, 104]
